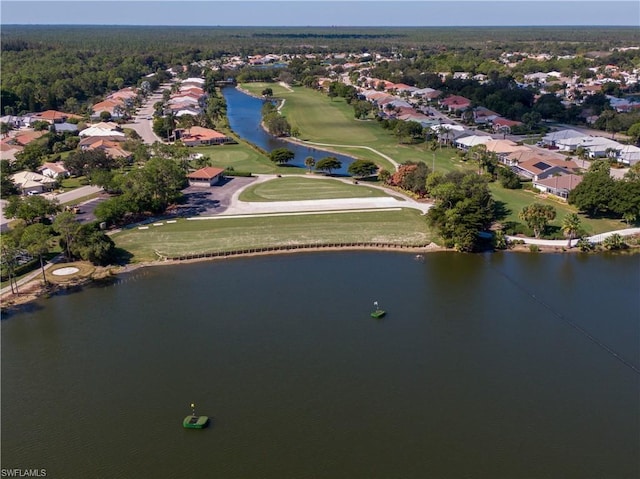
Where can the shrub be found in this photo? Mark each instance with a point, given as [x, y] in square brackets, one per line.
[534, 248]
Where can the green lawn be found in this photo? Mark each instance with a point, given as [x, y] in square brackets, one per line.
[296, 188]
[515, 200]
[241, 157]
[323, 120]
[184, 237]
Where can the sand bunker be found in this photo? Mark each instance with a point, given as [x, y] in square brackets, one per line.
[65, 271]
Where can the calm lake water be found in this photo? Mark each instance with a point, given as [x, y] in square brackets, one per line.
[486, 366]
[244, 113]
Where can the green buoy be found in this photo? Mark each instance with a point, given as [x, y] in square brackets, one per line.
[193, 421]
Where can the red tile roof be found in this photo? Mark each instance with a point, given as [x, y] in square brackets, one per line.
[205, 173]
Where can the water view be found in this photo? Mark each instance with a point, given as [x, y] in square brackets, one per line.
[501, 365]
[244, 114]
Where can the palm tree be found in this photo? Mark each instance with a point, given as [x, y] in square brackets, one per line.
[570, 226]
[309, 162]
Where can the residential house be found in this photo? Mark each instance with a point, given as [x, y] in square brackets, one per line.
[9, 150]
[455, 103]
[12, 121]
[467, 142]
[503, 148]
[540, 167]
[197, 135]
[115, 108]
[504, 125]
[482, 115]
[23, 138]
[103, 129]
[53, 116]
[550, 139]
[54, 170]
[428, 93]
[29, 182]
[628, 155]
[110, 147]
[558, 185]
[207, 176]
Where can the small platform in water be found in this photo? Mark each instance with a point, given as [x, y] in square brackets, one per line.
[377, 312]
[195, 422]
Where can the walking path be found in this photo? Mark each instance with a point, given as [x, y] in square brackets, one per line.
[593, 239]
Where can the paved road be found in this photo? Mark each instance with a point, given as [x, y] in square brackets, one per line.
[143, 120]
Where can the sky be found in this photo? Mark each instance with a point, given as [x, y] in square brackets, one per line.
[323, 12]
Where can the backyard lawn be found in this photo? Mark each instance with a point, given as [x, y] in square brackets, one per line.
[241, 157]
[515, 200]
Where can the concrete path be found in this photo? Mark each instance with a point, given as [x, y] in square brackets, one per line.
[593, 239]
[398, 200]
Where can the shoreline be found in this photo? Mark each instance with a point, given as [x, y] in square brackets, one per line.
[35, 290]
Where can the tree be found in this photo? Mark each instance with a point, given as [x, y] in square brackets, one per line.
[594, 194]
[361, 109]
[329, 164]
[537, 217]
[362, 168]
[309, 162]
[634, 133]
[508, 179]
[571, 226]
[30, 209]
[281, 155]
[463, 208]
[67, 226]
[268, 92]
[9, 250]
[35, 239]
[7, 186]
[93, 245]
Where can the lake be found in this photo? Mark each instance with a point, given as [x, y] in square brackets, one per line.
[500, 365]
[244, 114]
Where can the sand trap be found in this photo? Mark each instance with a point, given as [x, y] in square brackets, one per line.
[65, 271]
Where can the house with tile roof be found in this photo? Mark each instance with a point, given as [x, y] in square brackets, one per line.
[206, 177]
[115, 108]
[54, 116]
[558, 185]
[53, 170]
[197, 135]
[30, 182]
[8, 151]
[455, 103]
[103, 129]
[540, 167]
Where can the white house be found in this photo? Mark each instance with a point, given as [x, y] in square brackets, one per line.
[29, 182]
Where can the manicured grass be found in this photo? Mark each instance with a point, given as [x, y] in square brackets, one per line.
[516, 200]
[241, 157]
[73, 183]
[296, 188]
[323, 120]
[184, 237]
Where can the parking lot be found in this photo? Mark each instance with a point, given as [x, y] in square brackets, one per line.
[207, 201]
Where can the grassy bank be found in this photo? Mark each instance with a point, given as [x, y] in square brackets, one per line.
[185, 237]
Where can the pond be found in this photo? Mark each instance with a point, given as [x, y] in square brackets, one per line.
[501, 366]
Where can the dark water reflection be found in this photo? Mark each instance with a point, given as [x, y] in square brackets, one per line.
[244, 113]
[473, 373]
